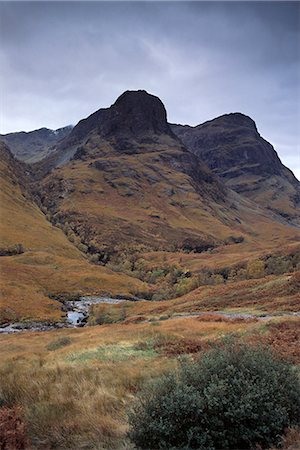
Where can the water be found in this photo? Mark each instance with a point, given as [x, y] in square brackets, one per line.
[74, 317]
[77, 315]
[78, 310]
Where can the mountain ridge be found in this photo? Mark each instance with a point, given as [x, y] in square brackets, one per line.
[234, 150]
[32, 146]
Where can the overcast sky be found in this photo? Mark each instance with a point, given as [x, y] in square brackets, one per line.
[62, 61]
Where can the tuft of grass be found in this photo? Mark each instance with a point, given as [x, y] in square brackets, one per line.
[59, 343]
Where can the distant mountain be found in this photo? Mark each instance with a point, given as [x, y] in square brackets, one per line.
[135, 118]
[123, 181]
[130, 181]
[34, 145]
[234, 150]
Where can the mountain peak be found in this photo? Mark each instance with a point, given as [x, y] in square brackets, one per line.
[136, 112]
[134, 96]
[232, 120]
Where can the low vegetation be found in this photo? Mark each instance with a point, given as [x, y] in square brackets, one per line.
[13, 432]
[73, 388]
[59, 343]
[232, 398]
[17, 249]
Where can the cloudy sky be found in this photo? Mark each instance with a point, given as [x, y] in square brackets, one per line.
[62, 61]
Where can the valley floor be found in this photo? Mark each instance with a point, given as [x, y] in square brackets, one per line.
[75, 386]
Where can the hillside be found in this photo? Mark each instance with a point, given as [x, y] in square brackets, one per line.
[34, 145]
[38, 261]
[234, 150]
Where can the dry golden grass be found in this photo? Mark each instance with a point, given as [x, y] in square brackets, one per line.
[75, 385]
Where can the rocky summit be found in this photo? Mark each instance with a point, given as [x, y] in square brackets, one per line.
[235, 151]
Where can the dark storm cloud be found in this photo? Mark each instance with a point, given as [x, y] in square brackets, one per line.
[62, 61]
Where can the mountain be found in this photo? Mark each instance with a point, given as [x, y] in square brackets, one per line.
[37, 259]
[135, 118]
[122, 191]
[123, 182]
[233, 149]
[34, 145]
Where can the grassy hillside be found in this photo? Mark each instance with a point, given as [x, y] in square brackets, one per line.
[50, 264]
[119, 203]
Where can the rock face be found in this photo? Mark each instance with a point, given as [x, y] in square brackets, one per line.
[233, 148]
[135, 113]
[135, 118]
[17, 171]
[35, 145]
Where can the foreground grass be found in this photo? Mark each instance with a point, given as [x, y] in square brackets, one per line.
[74, 387]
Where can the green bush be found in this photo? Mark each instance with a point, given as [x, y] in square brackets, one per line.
[232, 398]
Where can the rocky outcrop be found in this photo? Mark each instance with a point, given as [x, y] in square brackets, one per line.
[234, 150]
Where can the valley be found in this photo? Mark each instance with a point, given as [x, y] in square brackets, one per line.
[128, 243]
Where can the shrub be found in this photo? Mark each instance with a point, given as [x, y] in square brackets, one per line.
[104, 313]
[16, 249]
[12, 429]
[255, 269]
[71, 236]
[94, 259]
[294, 283]
[82, 247]
[278, 264]
[232, 398]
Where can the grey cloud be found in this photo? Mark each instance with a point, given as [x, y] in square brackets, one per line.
[62, 61]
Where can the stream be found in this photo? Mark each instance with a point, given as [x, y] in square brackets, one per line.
[77, 313]
[78, 310]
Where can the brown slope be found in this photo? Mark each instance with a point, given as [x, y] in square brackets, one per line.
[50, 264]
[131, 185]
[232, 147]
